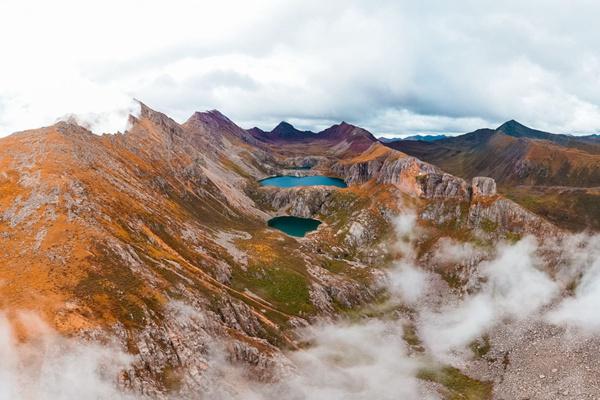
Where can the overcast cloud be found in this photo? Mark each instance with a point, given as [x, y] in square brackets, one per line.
[394, 67]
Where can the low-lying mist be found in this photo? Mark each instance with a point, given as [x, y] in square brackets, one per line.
[553, 282]
[37, 363]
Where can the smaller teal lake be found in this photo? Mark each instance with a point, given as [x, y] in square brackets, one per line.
[293, 181]
[294, 226]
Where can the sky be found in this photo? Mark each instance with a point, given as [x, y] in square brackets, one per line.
[393, 67]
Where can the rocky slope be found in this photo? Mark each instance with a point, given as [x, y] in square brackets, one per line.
[156, 238]
[522, 160]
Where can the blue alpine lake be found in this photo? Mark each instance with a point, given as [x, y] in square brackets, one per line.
[293, 181]
[294, 226]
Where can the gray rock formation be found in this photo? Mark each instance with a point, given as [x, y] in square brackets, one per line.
[388, 169]
[483, 187]
[443, 186]
[302, 202]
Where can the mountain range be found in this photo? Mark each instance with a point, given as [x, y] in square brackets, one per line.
[555, 175]
[156, 239]
[424, 138]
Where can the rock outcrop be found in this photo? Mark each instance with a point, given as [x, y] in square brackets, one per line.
[302, 202]
[384, 167]
[483, 187]
[443, 186]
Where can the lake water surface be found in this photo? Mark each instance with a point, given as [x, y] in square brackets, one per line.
[292, 181]
[294, 226]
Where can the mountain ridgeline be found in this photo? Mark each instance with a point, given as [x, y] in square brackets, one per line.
[555, 175]
[157, 239]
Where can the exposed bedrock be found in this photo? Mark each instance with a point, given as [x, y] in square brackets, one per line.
[301, 201]
[391, 169]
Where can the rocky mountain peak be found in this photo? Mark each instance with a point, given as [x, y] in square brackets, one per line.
[345, 130]
[283, 125]
[511, 124]
[516, 129]
[211, 117]
[211, 121]
[163, 124]
[285, 130]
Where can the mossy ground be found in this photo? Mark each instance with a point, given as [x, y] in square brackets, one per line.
[285, 288]
[573, 209]
[457, 385]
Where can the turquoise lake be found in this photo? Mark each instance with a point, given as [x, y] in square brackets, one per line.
[293, 181]
[294, 226]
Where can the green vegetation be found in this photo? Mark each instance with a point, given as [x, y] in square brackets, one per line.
[171, 378]
[286, 288]
[489, 226]
[345, 203]
[341, 267]
[574, 209]
[458, 385]
[452, 277]
[513, 237]
[421, 179]
[411, 338]
[115, 292]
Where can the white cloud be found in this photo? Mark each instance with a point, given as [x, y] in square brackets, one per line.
[365, 361]
[48, 366]
[406, 281]
[397, 67]
[581, 264]
[515, 287]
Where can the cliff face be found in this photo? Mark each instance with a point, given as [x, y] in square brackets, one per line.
[477, 206]
[384, 167]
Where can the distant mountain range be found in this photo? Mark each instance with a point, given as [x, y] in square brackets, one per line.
[423, 138]
[343, 135]
[517, 156]
[514, 154]
[528, 164]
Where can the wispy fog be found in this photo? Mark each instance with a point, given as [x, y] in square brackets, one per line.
[514, 286]
[581, 264]
[556, 282]
[352, 361]
[45, 366]
[110, 120]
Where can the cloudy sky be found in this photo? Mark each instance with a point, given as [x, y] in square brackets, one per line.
[394, 67]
